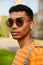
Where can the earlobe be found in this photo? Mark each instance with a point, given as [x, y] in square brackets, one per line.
[31, 24]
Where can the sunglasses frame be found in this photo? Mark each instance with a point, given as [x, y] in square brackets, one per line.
[19, 22]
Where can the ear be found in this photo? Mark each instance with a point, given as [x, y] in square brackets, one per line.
[31, 24]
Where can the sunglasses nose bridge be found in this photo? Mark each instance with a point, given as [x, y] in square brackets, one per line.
[14, 25]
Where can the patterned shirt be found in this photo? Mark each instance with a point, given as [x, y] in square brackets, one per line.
[35, 57]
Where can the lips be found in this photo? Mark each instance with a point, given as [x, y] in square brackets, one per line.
[14, 33]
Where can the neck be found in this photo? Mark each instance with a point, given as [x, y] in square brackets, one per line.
[25, 40]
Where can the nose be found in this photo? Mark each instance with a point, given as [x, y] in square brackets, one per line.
[14, 26]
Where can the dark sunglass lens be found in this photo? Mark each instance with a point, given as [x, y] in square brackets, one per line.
[19, 22]
[9, 22]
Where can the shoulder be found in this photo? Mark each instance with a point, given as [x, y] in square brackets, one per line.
[37, 49]
[36, 54]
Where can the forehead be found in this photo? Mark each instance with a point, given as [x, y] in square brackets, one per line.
[15, 15]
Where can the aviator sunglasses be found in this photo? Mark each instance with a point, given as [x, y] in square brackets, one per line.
[19, 22]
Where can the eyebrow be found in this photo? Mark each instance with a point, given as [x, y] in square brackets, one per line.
[19, 17]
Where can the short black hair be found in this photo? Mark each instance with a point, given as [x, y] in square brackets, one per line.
[21, 7]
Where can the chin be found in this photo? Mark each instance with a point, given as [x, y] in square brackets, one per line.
[16, 38]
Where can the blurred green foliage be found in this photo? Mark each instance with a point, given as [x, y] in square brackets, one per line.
[6, 57]
[4, 31]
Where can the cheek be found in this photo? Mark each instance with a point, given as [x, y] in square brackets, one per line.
[25, 29]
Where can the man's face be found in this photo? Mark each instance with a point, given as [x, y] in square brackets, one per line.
[21, 25]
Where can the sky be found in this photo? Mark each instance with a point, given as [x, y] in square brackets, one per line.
[6, 4]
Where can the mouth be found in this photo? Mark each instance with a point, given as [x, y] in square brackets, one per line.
[15, 33]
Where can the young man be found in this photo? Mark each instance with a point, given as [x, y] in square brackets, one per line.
[20, 23]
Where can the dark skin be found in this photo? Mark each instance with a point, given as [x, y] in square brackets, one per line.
[21, 34]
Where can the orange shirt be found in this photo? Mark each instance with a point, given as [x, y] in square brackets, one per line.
[35, 57]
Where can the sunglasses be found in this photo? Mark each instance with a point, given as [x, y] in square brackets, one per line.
[19, 22]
